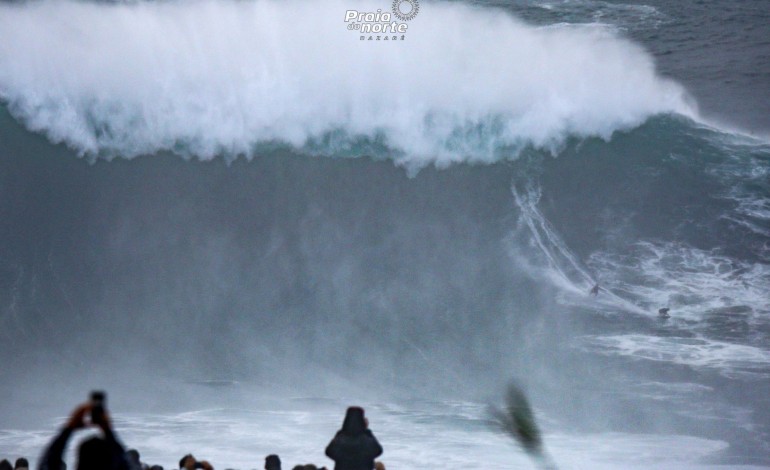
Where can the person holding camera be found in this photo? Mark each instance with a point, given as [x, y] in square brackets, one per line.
[96, 453]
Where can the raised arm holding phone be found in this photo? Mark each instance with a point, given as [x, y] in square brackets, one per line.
[95, 453]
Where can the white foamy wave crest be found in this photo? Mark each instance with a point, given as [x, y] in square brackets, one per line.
[730, 359]
[206, 78]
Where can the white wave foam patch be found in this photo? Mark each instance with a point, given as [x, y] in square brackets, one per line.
[728, 358]
[694, 283]
[205, 78]
[412, 439]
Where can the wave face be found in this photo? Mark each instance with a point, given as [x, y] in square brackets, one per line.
[206, 78]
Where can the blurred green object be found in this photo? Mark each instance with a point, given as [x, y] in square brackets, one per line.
[518, 421]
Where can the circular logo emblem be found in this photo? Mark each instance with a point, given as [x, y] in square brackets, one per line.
[405, 10]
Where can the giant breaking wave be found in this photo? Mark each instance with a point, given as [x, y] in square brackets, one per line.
[204, 78]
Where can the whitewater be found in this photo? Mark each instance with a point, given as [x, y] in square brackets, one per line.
[208, 78]
[239, 218]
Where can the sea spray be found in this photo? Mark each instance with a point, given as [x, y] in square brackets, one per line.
[207, 78]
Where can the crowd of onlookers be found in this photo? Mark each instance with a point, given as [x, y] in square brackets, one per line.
[21, 464]
[354, 447]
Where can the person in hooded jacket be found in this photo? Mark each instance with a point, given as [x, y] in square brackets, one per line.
[354, 447]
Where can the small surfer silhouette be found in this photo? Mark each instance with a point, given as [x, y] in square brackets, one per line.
[595, 290]
[663, 312]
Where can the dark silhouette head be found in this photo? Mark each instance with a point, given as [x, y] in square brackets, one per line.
[21, 463]
[95, 454]
[5, 465]
[355, 422]
[183, 460]
[133, 456]
[272, 462]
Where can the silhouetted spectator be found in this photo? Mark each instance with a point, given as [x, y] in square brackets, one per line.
[96, 453]
[156, 467]
[354, 447]
[21, 464]
[188, 462]
[272, 462]
[134, 460]
[5, 465]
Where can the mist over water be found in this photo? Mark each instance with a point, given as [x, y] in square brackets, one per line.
[270, 226]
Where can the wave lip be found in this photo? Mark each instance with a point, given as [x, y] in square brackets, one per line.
[205, 78]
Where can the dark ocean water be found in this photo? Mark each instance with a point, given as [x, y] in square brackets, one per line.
[207, 192]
